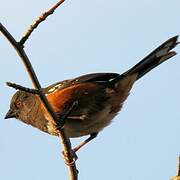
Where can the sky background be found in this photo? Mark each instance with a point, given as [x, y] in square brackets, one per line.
[82, 37]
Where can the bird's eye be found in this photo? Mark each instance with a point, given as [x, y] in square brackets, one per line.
[18, 104]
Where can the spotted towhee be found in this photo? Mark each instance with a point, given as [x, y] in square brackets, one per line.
[99, 97]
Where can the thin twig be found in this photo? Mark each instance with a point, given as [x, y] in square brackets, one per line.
[178, 171]
[177, 177]
[38, 21]
[69, 158]
[66, 143]
[22, 88]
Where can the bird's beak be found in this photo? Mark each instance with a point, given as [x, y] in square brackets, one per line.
[10, 114]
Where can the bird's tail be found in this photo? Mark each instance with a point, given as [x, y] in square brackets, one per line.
[155, 58]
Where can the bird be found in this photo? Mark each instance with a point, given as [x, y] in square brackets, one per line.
[98, 98]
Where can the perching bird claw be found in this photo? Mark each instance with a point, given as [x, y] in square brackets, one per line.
[73, 156]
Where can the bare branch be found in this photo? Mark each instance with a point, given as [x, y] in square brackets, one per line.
[177, 177]
[38, 21]
[178, 170]
[73, 173]
[68, 156]
[22, 54]
[22, 88]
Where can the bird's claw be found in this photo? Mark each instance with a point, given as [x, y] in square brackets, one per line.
[70, 159]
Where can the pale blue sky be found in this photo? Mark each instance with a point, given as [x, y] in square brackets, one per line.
[83, 36]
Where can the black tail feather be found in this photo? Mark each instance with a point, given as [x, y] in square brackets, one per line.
[155, 58]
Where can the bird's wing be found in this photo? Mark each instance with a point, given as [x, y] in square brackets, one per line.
[94, 77]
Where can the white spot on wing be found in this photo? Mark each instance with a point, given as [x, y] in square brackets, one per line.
[162, 52]
[55, 88]
[170, 54]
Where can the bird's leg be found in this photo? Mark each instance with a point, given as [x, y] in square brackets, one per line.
[74, 150]
[92, 136]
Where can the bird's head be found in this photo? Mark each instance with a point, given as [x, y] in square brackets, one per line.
[19, 105]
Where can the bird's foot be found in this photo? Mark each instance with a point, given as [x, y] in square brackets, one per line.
[69, 159]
